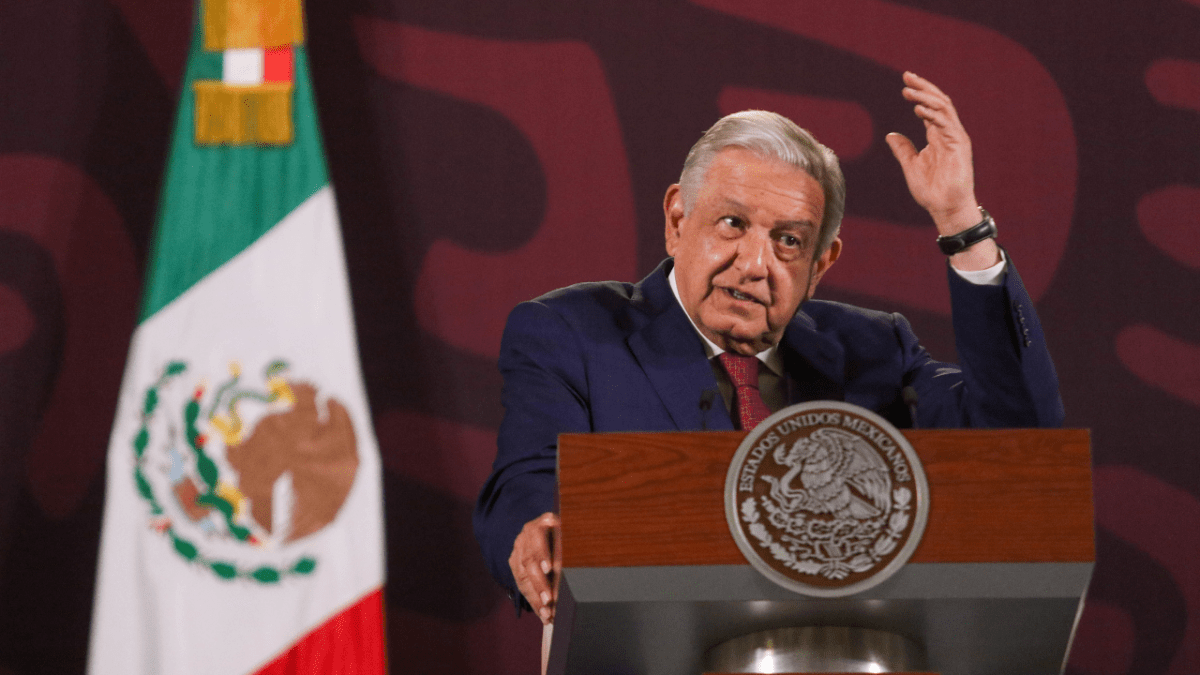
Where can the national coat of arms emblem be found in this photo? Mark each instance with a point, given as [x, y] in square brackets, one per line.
[826, 498]
[232, 475]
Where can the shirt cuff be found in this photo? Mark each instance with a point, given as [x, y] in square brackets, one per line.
[992, 276]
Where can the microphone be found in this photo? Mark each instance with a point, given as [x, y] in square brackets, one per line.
[910, 399]
[706, 402]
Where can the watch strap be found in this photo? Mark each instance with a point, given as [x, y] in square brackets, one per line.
[954, 243]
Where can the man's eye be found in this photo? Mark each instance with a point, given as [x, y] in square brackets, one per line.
[731, 221]
[792, 242]
[790, 246]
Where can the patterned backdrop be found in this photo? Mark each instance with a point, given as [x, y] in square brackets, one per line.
[485, 152]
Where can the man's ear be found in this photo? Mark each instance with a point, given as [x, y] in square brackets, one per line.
[822, 265]
[673, 214]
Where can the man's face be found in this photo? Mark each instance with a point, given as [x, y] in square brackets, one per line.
[744, 255]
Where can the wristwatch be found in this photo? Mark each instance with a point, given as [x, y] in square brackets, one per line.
[986, 229]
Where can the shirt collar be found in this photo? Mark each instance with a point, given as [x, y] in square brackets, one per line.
[769, 356]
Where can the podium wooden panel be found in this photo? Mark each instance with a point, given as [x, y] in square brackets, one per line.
[652, 577]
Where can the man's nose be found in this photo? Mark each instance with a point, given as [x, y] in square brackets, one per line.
[753, 253]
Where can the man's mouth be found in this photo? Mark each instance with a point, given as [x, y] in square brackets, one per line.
[738, 295]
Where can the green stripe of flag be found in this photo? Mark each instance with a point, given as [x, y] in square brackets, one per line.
[217, 200]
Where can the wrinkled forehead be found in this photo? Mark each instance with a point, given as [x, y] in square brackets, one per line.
[696, 179]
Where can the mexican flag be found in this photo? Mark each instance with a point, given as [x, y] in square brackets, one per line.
[243, 528]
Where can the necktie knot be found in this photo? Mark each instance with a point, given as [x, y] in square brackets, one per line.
[748, 402]
[743, 370]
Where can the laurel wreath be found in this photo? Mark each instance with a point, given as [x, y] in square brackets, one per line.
[209, 473]
[830, 569]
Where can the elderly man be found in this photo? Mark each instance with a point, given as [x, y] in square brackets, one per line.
[751, 228]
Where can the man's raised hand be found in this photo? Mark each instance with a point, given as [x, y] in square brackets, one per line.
[941, 176]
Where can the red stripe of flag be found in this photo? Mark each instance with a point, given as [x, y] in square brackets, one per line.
[350, 643]
[277, 64]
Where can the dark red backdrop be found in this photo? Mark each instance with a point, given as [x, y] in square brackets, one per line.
[486, 152]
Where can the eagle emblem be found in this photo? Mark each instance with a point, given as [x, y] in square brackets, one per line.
[233, 475]
[839, 473]
[826, 498]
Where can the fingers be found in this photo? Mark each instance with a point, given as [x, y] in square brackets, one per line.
[940, 175]
[933, 105]
[534, 565]
[929, 99]
[935, 113]
[918, 83]
[902, 148]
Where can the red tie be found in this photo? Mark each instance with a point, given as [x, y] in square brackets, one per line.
[748, 402]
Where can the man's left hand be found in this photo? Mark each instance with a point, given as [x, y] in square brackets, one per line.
[941, 176]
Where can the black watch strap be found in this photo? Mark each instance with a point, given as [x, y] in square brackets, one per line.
[986, 229]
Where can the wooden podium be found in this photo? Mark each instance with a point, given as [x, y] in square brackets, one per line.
[652, 578]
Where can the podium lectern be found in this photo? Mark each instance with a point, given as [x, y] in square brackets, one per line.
[652, 578]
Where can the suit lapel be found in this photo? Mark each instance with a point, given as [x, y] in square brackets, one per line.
[672, 356]
[815, 364]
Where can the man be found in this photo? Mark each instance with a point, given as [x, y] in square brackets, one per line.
[751, 228]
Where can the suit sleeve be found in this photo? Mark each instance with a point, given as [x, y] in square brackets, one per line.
[1005, 378]
[542, 363]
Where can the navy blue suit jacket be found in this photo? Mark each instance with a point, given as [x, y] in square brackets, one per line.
[623, 357]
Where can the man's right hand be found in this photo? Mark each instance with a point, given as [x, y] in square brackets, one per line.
[536, 564]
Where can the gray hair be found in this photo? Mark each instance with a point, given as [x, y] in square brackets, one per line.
[770, 135]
